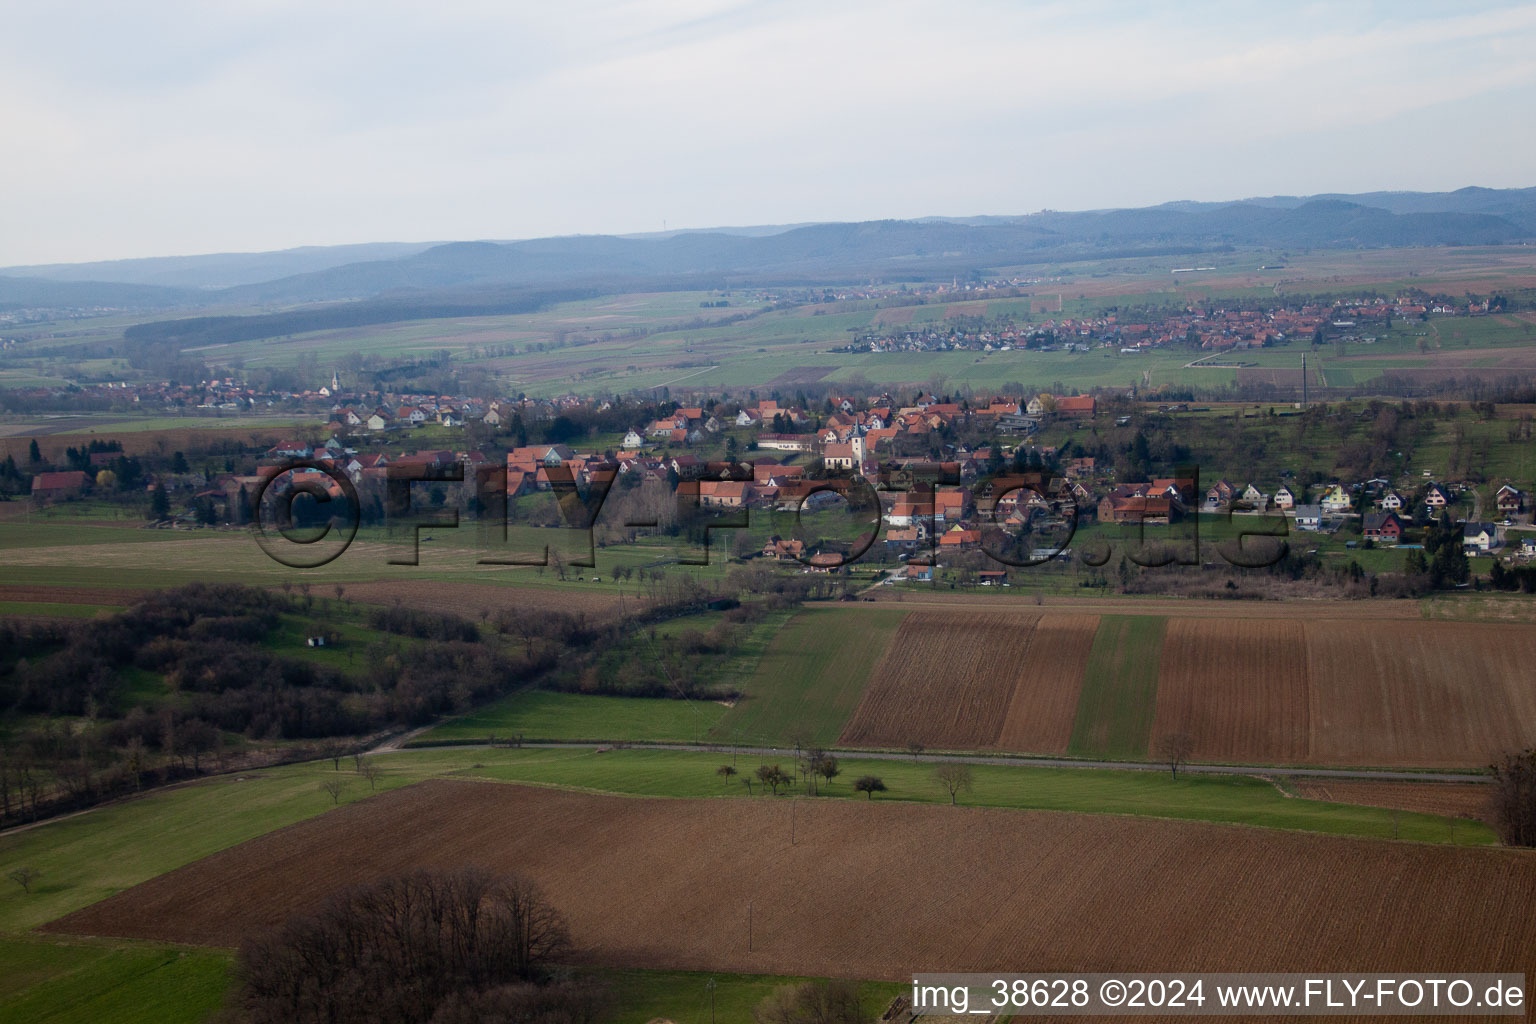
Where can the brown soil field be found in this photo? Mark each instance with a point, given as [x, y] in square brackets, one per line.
[945, 681]
[1451, 799]
[965, 309]
[1313, 683]
[892, 315]
[877, 890]
[470, 599]
[1239, 688]
[1044, 702]
[70, 595]
[917, 597]
[1434, 694]
[139, 442]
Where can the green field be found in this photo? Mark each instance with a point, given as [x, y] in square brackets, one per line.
[58, 982]
[540, 715]
[810, 679]
[1119, 696]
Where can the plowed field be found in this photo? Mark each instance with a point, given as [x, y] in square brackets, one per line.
[877, 890]
[945, 681]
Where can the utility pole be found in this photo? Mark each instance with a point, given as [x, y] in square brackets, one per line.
[749, 927]
[792, 803]
[710, 985]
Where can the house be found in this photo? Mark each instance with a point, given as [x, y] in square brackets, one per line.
[920, 573]
[1077, 406]
[1309, 517]
[1336, 499]
[1382, 526]
[1437, 497]
[1255, 498]
[1218, 496]
[783, 550]
[47, 487]
[744, 418]
[290, 450]
[1480, 537]
[379, 420]
[1136, 508]
[1391, 502]
[1510, 500]
[634, 440]
[1284, 499]
[724, 493]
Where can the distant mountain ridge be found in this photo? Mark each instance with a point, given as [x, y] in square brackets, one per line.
[766, 254]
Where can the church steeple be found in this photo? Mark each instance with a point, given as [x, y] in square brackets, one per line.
[335, 382]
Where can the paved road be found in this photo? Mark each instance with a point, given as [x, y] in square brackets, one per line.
[1381, 775]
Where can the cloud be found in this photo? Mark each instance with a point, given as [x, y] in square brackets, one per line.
[201, 127]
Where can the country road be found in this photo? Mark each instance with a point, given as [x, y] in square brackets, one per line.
[1260, 771]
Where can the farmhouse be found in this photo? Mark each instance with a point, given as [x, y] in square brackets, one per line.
[1510, 500]
[48, 487]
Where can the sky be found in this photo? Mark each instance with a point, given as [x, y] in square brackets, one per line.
[194, 126]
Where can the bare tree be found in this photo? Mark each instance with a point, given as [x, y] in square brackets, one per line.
[954, 777]
[914, 748]
[826, 767]
[334, 787]
[24, 876]
[812, 1002]
[773, 776]
[334, 751]
[1174, 750]
[412, 943]
[869, 785]
[725, 772]
[1514, 798]
[372, 772]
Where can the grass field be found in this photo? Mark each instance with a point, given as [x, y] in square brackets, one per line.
[56, 982]
[1119, 695]
[540, 715]
[810, 678]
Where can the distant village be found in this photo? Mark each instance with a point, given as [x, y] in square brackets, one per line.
[935, 492]
[1212, 331]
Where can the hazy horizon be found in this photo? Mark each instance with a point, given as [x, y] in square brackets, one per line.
[191, 130]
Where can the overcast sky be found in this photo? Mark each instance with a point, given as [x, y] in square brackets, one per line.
[200, 126]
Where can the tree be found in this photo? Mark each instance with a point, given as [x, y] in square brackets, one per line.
[400, 948]
[106, 481]
[159, 504]
[24, 876]
[953, 777]
[869, 785]
[772, 776]
[826, 767]
[1514, 798]
[334, 787]
[34, 453]
[1175, 749]
[725, 772]
[812, 1002]
[372, 772]
[333, 751]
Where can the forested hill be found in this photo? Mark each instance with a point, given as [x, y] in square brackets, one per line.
[814, 253]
